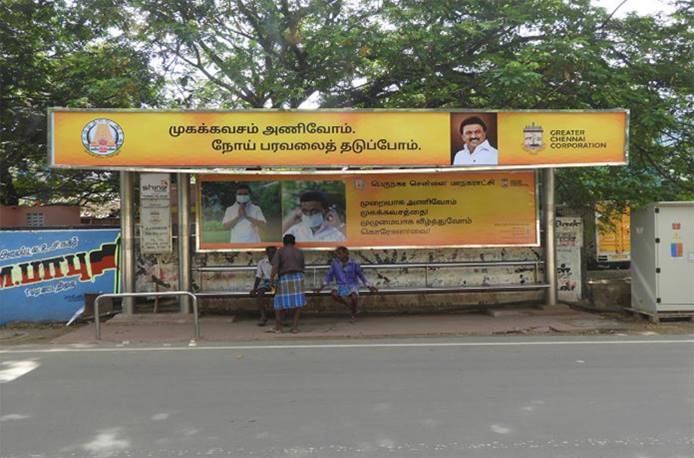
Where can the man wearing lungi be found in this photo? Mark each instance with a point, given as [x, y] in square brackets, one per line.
[288, 264]
[347, 274]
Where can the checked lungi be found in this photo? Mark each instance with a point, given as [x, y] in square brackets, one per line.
[290, 292]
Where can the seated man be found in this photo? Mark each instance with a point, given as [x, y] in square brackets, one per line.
[262, 285]
[347, 274]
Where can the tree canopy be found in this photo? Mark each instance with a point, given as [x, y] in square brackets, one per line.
[57, 53]
[371, 54]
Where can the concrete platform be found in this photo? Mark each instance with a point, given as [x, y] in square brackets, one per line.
[176, 328]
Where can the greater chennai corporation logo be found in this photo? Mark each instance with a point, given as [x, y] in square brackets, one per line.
[102, 137]
[532, 139]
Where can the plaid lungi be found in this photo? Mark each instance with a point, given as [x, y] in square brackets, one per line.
[290, 292]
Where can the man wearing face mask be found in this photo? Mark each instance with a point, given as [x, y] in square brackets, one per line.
[477, 150]
[308, 222]
[244, 219]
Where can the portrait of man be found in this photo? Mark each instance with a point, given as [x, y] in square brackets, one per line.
[243, 218]
[314, 220]
[473, 134]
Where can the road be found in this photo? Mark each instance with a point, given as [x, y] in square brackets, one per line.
[510, 397]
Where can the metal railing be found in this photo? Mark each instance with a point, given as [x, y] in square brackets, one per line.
[196, 320]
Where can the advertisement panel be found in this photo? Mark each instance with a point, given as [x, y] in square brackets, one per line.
[569, 237]
[613, 237]
[204, 140]
[44, 275]
[155, 213]
[456, 209]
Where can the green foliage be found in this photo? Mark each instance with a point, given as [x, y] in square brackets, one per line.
[370, 54]
[549, 54]
[429, 54]
[255, 54]
[60, 54]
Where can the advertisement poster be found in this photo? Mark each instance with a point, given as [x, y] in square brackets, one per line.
[569, 235]
[613, 237]
[44, 275]
[335, 139]
[372, 211]
[155, 213]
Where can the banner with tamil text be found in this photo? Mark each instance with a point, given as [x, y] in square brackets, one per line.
[456, 209]
[204, 140]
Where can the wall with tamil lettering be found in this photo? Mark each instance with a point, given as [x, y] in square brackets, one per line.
[45, 274]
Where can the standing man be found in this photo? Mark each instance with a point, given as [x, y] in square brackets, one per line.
[347, 274]
[262, 286]
[288, 265]
[243, 218]
[477, 150]
[308, 223]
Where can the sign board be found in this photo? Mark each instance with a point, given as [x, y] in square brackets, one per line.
[569, 235]
[155, 213]
[613, 238]
[204, 140]
[155, 189]
[44, 275]
[456, 209]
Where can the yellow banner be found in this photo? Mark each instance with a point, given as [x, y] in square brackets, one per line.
[456, 209]
[249, 139]
[562, 138]
[170, 140]
[613, 237]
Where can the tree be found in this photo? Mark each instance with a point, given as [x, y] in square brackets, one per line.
[255, 54]
[55, 54]
[549, 54]
[371, 54]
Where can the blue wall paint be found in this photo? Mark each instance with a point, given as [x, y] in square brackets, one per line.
[44, 274]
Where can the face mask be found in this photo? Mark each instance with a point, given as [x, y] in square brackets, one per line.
[243, 198]
[314, 220]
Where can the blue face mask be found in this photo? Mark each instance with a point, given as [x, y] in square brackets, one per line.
[312, 221]
[243, 198]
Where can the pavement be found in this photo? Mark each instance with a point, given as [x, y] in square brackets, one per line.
[519, 320]
[484, 397]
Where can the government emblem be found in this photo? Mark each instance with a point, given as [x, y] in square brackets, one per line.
[532, 139]
[102, 137]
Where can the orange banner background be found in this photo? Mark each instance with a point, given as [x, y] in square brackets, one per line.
[204, 140]
[165, 140]
[154, 139]
[454, 209]
[567, 138]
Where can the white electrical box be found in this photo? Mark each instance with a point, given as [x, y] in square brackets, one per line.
[662, 257]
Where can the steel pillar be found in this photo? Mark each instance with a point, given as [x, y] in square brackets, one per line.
[127, 234]
[183, 190]
[550, 246]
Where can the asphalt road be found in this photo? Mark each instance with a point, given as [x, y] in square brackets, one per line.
[436, 398]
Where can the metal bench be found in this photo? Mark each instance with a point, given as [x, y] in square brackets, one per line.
[426, 289]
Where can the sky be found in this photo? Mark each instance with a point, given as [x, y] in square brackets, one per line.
[641, 7]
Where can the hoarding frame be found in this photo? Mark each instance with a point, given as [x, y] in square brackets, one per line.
[327, 170]
[198, 216]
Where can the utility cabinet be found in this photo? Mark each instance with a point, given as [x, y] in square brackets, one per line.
[662, 257]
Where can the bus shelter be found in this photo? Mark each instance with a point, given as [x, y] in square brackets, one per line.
[365, 179]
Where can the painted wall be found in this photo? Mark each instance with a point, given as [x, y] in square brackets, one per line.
[44, 274]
